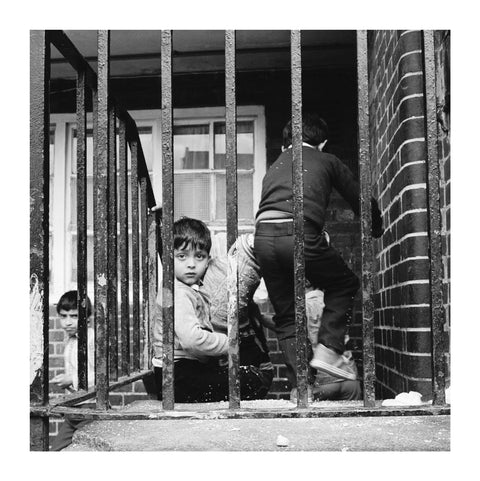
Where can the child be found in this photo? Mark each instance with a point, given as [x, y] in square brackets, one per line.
[197, 348]
[324, 267]
[240, 257]
[67, 310]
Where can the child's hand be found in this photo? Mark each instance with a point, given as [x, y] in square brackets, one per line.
[62, 380]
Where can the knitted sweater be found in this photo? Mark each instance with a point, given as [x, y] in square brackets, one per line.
[194, 335]
[322, 171]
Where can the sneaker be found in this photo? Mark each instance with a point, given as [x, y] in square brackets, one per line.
[293, 394]
[338, 365]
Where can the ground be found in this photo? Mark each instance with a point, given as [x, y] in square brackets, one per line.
[359, 433]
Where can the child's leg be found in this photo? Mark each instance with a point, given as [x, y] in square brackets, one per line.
[198, 382]
[326, 269]
[346, 390]
[65, 433]
[274, 252]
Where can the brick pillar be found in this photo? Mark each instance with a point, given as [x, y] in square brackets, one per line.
[399, 174]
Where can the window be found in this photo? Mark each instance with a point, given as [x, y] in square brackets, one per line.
[199, 163]
[199, 172]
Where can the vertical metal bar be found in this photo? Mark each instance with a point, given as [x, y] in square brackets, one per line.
[39, 231]
[152, 275]
[135, 256]
[434, 216]
[168, 308]
[144, 333]
[100, 208]
[112, 246]
[232, 217]
[123, 251]
[299, 259]
[95, 155]
[82, 231]
[366, 221]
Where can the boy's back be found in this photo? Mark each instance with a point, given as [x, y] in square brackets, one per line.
[322, 171]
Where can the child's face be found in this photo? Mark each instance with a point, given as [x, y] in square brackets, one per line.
[69, 321]
[190, 264]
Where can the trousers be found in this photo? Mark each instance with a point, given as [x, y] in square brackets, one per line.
[324, 269]
[195, 381]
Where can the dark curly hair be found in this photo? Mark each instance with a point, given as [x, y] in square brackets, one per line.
[314, 130]
[192, 233]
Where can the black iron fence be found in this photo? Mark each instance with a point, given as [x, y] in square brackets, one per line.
[111, 201]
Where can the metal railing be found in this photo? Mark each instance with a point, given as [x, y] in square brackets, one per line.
[111, 211]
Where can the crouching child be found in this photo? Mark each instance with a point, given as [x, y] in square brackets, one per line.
[198, 374]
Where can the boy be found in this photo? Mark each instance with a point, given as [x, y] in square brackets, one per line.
[324, 268]
[67, 310]
[197, 348]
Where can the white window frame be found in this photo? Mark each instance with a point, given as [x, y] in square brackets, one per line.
[63, 128]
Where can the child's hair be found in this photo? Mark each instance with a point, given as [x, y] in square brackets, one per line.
[314, 130]
[192, 233]
[69, 301]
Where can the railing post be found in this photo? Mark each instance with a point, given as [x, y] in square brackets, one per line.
[145, 331]
[123, 250]
[82, 231]
[101, 200]
[135, 255]
[299, 258]
[112, 244]
[232, 218]
[168, 308]
[366, 221]
[152, 276]
[434, 222]
[39, 231]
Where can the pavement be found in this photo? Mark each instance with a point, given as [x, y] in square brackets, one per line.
[358, 433]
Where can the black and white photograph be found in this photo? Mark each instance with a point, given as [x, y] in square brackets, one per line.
[239, 241]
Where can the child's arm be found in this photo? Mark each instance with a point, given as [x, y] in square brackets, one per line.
[348, 187]
[192, 336]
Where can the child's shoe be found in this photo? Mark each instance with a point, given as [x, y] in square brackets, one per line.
[338, 365]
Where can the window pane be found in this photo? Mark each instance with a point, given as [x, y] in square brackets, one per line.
[191, 147]
[245, 197]
[192, 196]
[245, 145]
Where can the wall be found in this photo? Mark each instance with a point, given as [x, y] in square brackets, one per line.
[442, 66]
[398, 158]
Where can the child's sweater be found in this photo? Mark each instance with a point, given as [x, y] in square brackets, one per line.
[194, 335]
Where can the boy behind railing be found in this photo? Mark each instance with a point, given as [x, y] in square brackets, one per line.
[67, 309]
[198, 374]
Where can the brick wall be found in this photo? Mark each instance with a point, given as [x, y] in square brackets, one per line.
[442, 64]
[398, 158]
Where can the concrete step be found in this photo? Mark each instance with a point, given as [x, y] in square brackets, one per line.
[378, 433]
